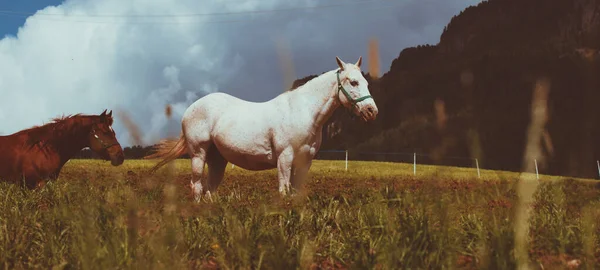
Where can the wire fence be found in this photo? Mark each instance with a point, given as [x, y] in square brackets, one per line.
[406, 157]
[414, 158]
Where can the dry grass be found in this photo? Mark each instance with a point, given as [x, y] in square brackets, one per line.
[376, 215]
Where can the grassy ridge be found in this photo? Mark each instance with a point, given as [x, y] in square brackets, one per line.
[376, 215]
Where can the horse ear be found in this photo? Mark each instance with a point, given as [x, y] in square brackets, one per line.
[109, 113]
[340, 63]
[103, 113]
[359, 62]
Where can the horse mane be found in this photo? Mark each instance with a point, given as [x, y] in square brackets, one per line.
[300, 82]
[54, 130]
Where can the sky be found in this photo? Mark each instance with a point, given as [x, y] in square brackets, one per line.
[137, 56]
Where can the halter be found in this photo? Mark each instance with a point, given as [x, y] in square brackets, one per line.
[350, 99]
[104, 145]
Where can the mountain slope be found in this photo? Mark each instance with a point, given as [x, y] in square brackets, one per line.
[489, 60]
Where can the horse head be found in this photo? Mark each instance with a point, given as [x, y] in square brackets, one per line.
[353, 90]
[103, 141]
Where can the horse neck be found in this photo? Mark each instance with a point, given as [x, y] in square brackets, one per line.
[71, 143]
[319, 97]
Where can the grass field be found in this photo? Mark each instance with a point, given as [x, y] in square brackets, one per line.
[374, 216]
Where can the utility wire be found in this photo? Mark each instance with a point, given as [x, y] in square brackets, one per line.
[55, 19]
[10, 12]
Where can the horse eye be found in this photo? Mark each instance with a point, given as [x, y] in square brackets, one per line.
[354, 83]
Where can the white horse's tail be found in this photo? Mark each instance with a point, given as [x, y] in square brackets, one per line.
[168, 150]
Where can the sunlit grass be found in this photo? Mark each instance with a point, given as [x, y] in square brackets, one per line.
[375, 215]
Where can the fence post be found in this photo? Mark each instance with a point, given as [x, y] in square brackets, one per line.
[415, 164]
[478, 173]
[536, 170]
[346, 160]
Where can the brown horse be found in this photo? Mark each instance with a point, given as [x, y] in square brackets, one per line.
[35, 155]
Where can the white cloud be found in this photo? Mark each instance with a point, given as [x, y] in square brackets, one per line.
[59, 65]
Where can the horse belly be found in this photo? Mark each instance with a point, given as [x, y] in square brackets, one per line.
[250, 153]
[28, 168]
[10, 167]
[242, 138]
[249, 162]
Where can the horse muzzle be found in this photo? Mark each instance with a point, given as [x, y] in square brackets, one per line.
[369, 113]
[116, 158]
[116, 161]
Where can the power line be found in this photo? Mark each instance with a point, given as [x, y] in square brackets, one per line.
[10, 12]
[55, 19]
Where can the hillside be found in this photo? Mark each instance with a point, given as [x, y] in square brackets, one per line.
[483, 70]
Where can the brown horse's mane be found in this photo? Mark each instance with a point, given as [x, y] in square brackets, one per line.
[53, 131]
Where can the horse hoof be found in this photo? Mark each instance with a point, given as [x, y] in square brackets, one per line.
[286, 192]
[197, 199]
[208, 196]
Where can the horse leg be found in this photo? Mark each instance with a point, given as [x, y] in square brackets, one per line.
[198, 143]
[198, 160]
[284, 169]
[32, 182]
[216, 169]
[300, 174]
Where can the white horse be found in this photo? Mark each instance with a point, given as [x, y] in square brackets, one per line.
[283, 133]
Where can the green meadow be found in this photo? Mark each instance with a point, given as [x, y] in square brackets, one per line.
[373, 216]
